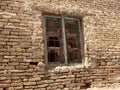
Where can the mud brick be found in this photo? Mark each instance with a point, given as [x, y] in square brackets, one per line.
[6, 16]
[16, 84]
[35, 79]
[23, 58]
[21, 67]
[29, 83]
[3, 78]
[4, 85]
[2, 24]
[18, 87]
[2, 43]
[3, 20]
[9, 27]
[2, 67]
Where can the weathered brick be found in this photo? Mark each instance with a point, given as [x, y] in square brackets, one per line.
[4, 85]
[29, 83]
[35, 79]
[22, 50]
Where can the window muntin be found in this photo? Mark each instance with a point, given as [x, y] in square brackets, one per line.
[54, 27]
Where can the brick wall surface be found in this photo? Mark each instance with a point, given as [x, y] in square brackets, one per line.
[22, 44]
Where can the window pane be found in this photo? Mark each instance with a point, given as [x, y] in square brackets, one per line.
[72, 40]
[53, 33]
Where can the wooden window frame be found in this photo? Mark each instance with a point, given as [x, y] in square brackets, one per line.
[63, 36]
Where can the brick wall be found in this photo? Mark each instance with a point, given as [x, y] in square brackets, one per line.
[22, 60]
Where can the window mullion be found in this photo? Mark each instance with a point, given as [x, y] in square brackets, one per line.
[64, 40]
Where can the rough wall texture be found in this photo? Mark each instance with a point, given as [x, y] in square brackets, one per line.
[22, 44]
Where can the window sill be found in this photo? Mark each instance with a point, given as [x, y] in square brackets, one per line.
[68, 67]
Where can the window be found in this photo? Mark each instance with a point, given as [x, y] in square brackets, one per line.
[62, 39]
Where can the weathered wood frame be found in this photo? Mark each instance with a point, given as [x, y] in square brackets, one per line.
[63, 36]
